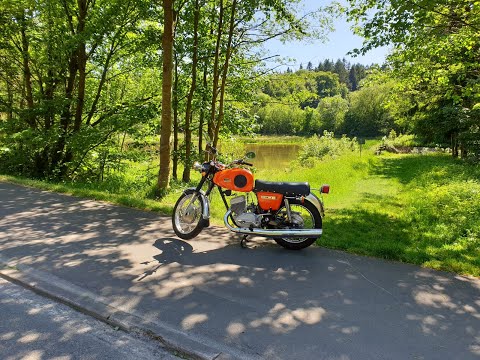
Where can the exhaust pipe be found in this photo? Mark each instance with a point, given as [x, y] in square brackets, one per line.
[281, 233]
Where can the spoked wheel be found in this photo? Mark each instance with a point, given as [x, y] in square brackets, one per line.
[187, 215]
[303, 216]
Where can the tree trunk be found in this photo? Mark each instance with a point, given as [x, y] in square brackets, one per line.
[175, 122]
[82, 62]
[103, 79]
[202, 111]
[165, 133]
[454, 146]
[211, 123]
[221, 105]
[188, 112]
[27, 77]
[66, 116]
[10, 98]
[463, 151]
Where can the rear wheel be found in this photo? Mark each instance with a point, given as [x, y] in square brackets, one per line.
[187, 218]
[303, 216]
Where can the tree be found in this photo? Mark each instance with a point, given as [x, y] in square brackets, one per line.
[70, 51]
[327, 66]
[435, 55]
[332, 111]
[188, 111]
[167, 74]
[368, 114]
[341, 71]
[353, 78]
[328, 85]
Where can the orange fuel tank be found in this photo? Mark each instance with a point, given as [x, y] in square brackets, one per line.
[235, 179]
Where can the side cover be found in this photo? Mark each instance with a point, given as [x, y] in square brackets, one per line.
[269, 201]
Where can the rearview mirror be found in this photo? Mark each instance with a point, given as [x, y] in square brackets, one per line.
[250, 155]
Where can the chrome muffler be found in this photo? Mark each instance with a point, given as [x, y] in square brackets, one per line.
[281, 233]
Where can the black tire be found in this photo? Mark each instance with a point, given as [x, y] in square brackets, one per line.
[189, 229]
[301, 243]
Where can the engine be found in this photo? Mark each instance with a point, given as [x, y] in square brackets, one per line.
[243, 216]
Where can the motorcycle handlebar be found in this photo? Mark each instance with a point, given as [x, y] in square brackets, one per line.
[242, 162]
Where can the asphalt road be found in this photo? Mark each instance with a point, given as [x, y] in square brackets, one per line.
[266, 302]
[32, 327]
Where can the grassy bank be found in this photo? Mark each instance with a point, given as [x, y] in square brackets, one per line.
[421, 209]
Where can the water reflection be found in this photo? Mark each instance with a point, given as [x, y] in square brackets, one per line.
[269, 156]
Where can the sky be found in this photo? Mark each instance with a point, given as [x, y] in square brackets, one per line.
[337, 45]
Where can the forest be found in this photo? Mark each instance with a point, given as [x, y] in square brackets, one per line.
[80, 80]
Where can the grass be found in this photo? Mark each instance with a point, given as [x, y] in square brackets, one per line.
[93, 191]
[423, 210]
[420, 209]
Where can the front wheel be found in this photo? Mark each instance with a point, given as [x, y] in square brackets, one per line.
[187, 218]
[303, 216]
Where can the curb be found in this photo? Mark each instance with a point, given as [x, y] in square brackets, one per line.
[86, 302]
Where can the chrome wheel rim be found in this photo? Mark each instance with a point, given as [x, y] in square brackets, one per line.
[299, 212]
[188, 213]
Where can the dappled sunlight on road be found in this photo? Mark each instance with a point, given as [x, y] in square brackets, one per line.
[280, 319]
[441, 302]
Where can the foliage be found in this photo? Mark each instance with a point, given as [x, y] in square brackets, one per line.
[320, 93]
[368, 114]
[77, 74]
[435, 57]
[59, 59]
[281, 119]
[320, 147]
[406, 208]
[332, 111]
[401, 140]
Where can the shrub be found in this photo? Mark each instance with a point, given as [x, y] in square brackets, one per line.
[319, 147]
[400, 140]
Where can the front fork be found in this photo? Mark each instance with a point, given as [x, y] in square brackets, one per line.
[199, 193]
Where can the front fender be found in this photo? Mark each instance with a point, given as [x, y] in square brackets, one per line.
[312, 198]
[203, 199]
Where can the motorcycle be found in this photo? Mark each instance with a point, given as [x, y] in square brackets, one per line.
[288, 212]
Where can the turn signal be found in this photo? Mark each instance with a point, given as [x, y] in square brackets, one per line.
[325, 189]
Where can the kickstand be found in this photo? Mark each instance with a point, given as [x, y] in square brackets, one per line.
[243, 242]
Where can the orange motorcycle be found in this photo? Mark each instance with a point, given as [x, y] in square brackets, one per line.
[285, 211]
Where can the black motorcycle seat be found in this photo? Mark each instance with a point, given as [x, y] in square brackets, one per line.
[287, 188]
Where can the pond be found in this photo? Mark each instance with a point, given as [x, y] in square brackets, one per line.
[269, 156]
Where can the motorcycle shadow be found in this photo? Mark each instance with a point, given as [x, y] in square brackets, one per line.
[221, 250]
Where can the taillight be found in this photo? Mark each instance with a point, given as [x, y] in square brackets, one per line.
[325, 189]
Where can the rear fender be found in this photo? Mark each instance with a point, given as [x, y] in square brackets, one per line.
[313, 199]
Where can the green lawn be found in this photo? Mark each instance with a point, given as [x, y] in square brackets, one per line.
[412, 208]
[421, 209]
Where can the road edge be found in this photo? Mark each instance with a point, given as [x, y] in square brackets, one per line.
[86, 302]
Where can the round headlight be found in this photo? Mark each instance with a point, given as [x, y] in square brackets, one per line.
[197, 166]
